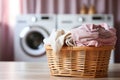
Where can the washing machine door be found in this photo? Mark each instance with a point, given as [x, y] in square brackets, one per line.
[31, 40]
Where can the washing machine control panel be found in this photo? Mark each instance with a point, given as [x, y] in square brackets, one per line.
[45, 17]
[69, 21]
[35, 19]
[80, 19]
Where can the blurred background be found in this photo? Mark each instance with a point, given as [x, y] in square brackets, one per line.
[9, 9]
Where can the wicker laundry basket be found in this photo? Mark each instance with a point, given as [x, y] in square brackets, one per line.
[79, 61]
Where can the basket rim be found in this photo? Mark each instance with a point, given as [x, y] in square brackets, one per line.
[83, 48]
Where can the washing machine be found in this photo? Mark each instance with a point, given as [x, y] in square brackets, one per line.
[69, 21]
[30, 30]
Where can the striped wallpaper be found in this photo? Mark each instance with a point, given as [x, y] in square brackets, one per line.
[64, 6]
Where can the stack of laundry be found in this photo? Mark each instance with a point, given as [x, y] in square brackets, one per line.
[94, 35]
[84, 35]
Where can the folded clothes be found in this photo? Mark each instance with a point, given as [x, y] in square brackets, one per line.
[94, 35]
[69, 40]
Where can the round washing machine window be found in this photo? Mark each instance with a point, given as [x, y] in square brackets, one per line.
[34, 40]
[31, 40]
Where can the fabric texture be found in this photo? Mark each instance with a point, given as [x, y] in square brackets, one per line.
[94, 35]
[56, 40]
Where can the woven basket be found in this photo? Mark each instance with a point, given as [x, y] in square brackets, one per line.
[79, 61]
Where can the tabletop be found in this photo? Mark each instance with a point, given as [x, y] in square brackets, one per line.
[40, 71]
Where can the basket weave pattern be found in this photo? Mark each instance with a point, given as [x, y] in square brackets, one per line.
[79, 61]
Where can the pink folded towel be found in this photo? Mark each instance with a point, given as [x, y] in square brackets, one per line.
[94, 35]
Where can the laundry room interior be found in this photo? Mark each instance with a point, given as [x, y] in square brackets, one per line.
[31, 30]
[39, 17]
[24, 24]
